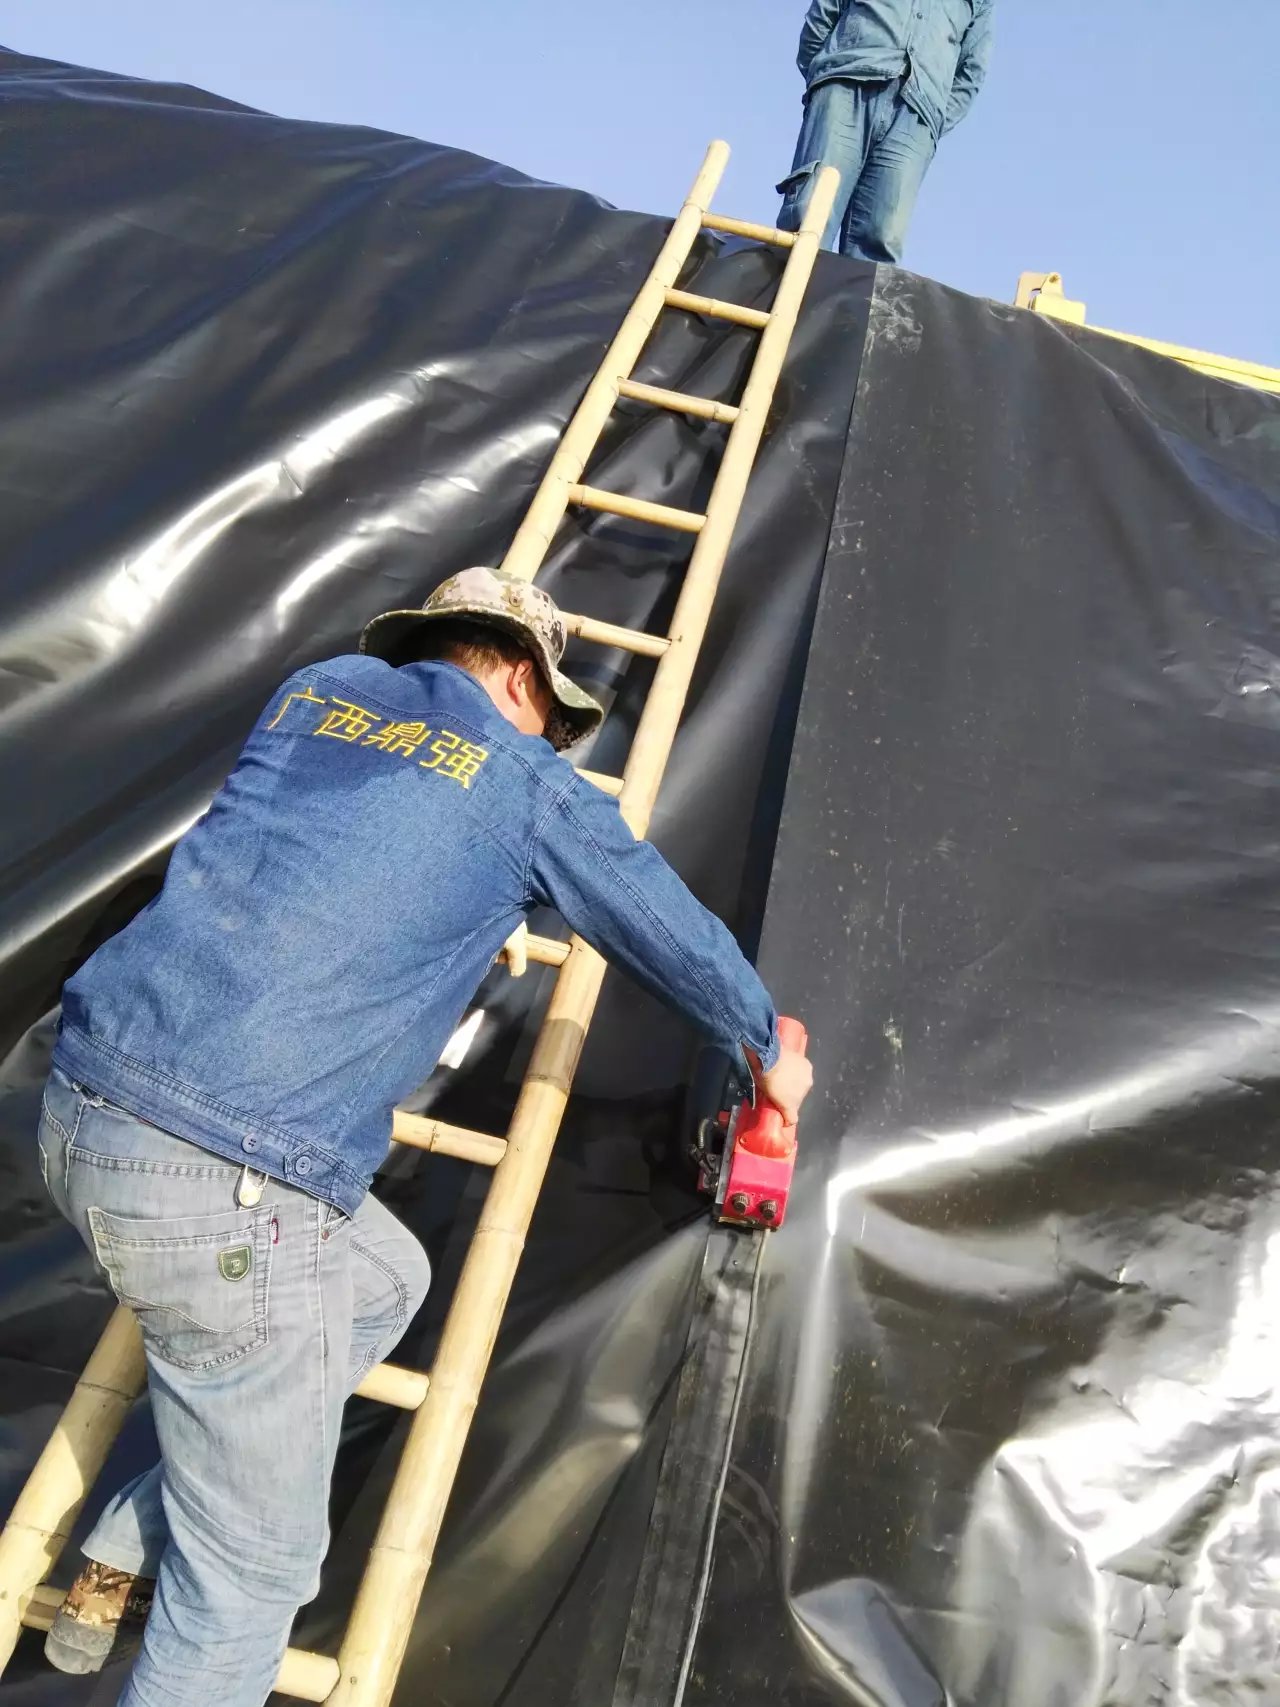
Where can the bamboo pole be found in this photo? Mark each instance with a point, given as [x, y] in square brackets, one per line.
[401, 1556]
[307, 1676]
[679, 402]
[303, 1674]
[417, 1132]
[547, 950]
[756, 318]
[40, 1606]
[746, 228]
[545, 513]
[390, 1384]
[75, 1452]
[597, 779]
[609, 634]
[638, 509]
[656, 728]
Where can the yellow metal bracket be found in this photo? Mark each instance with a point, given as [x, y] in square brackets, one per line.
[1042, 293]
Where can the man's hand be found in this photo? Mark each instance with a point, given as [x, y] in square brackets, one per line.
[515, 951]
[787, 1083]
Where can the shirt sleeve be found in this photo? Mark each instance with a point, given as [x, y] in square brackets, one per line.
[971, 69]
[622, 897]
[819, 22]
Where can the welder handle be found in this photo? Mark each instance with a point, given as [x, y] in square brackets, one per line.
[792, 1035]
[766, 1133]
[769, 1134]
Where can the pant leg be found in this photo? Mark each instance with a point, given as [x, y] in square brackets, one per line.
[884, 198]
[257, 1324]
[246, 1319]
[390, 1275]
[247, 1449]
[835, 131]
[132, 1531]
[389, 1279]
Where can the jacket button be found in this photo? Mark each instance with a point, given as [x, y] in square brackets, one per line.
[302, 1165]
[250, 1144]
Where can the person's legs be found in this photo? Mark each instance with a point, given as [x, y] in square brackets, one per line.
[835, 131]
[131, 1532]
[390, 1276]
[247, 1324]
[884, 197]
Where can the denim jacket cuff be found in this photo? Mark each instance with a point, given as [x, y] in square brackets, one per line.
[766, 1053]
[770, 1053]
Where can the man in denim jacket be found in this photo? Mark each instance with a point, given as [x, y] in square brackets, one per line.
[884, 79]
[227, 1066]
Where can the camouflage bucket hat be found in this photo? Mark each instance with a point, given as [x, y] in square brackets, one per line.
[487, 595]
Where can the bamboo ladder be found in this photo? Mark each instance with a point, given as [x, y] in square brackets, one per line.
[364, 1673]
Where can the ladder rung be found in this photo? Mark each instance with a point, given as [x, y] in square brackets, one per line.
[307, 1676]
[639, 509]
[718, 310]
[43, 1601]
[420, 1133]
[680, 402]
[745, 228]
[304, 1675]
[608, 634]
[391, 1384]
[546, 950]
[609, 784]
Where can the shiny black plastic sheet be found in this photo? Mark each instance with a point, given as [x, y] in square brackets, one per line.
[1009, 1432]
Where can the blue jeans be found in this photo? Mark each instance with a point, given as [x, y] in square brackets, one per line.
[882, 149]
[258, 1321]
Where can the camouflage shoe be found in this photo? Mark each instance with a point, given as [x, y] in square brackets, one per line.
[99, 1602]
[506, 601]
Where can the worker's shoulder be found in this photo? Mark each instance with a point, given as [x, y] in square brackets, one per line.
[351, 669]
[357, 672]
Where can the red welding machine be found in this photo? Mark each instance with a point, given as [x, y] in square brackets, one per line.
[747, 1155]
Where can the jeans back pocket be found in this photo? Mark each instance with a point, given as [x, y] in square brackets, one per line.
[197, 1283]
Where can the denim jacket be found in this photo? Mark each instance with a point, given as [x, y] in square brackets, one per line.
[940, 47]
[323, 926]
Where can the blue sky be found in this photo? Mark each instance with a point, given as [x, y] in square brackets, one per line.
[1133, 145]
